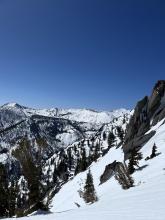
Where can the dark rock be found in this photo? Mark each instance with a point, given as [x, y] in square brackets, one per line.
[108, 172]
[148, 112]
[120, 171]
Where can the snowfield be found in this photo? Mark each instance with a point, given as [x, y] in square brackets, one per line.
[145, 201]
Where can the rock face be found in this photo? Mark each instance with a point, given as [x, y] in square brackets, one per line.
[120, 171]
[108, 172]
[147, 113]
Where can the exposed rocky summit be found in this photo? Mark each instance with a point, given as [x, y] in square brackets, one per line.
[147, 113]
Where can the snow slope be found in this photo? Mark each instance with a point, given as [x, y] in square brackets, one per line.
[145, 201]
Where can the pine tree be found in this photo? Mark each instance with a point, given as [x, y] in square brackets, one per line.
[77, 168]
[104, 136]
[47, 202]
[8, 193]
[124, 120]
[55, 178]
[4, 205]
[123, 177]
[83, 160]
[12, 197]
[111, 139]
[89, 193]
[44, 204]
[70, 159]
[154, 150]
[120, 133]
[134, 160]
[96, 153]
[32, 170]
[62, 170]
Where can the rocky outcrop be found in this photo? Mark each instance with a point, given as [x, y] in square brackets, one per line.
[147, 113]
[108, 172]
[120, 172]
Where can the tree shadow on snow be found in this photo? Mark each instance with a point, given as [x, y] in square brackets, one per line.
[41, 212]
[142, 167]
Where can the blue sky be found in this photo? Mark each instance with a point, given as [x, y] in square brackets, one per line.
[100, 54]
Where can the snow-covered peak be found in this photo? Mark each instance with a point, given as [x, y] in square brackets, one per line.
[12, 105]
[79, 115]
[90, 116]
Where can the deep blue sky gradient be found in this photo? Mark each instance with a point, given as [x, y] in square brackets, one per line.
[101, 54]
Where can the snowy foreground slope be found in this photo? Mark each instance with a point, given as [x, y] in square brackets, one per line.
[145, 201]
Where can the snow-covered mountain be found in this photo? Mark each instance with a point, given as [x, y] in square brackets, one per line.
[144, 201]
[73, 124]
[34, 146]
[46, 156]
[79, 115]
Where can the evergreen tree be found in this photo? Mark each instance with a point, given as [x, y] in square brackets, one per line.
[124, 120]
[120, 133]
[83, 160]
[154, 150]
[123, 177]
[89, 193]
[32, 170]
[104, 136]
[62, 170]
[8, 193]
[96, 153]
[134, 160]
[47, 202]
[4, 205]
[12, 197]
[70, 159]
[44, 204]
[55, 178]
[111, 139]
[75, 149]
[77, 168]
